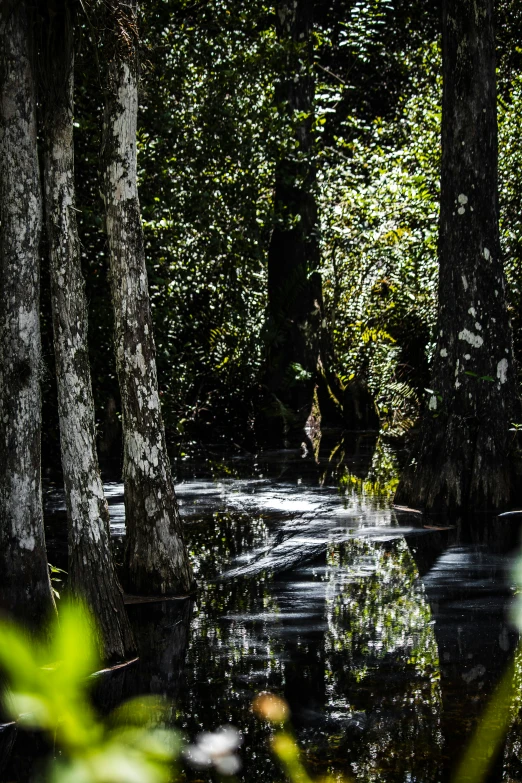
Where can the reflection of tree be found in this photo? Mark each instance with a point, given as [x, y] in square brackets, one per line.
[467, 592]
[161, 630]
[369, 674]
[229, 661]
[382, 663]
[364, 468]
[215, 542]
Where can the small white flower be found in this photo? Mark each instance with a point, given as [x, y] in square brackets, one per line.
[216, 748]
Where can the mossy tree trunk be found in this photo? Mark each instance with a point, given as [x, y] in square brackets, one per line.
[294, 284]
[25, 588]
[91, 570]
[461, 462]
[156, 560]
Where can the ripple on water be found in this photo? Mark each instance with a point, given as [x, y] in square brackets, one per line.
[383, 637]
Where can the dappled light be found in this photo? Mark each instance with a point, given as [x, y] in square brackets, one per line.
[260, 410]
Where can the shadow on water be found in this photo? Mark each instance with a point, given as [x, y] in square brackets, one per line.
[162, 633]
[384, 634]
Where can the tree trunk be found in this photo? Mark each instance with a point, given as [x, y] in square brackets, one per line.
[294, 284]
[461, 461]
[25, 588]
[91, 569]
[156, 560]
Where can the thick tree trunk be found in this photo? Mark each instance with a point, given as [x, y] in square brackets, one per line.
[461, 462]
[294, 284]
[91, 570]
[25, 589]
[156, 560]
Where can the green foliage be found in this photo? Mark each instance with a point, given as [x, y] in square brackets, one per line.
[207, 152]
[378, 487]
[210, 138]
[48, 691]
[379, 210]
[510, 174]
[53, 571]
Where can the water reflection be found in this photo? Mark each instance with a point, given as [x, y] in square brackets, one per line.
[385, 637]
[348, 640]
[381, 632]
[469, 595]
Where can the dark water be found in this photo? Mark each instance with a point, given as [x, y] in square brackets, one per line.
[385, 637]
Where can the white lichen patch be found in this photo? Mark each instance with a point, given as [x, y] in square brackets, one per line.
[443, 352]
[464, 282]
[502, 369]
[475, 340]
[478, 327]
[462, 199]
[433, 403]
[123, 168]
[27, 324]
[143, 455]
[28, 542]
[153, 402]
[487, 254]
[138, 360]
[467, 356]
[472, 312]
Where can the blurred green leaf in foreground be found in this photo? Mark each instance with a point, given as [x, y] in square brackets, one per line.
[48, 685]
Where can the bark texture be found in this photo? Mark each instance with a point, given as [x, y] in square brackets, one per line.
[462, 459]
[294, 284]
[25, 589]
[156, 560]
[91, 570]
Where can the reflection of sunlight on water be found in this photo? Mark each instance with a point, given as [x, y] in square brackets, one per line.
[378, 616]
[353, 628]
[312, 592]
[346, 636]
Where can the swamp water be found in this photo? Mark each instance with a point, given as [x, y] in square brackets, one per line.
[384, 636]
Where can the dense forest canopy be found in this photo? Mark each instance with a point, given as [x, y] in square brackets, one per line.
[209, 138]
[243, 230]
[285, 235]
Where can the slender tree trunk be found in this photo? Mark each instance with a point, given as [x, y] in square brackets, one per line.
[25, 589]
[91, 570]
[294, 284]
[156, 560]
[461, 462]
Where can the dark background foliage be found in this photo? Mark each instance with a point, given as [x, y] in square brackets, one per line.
[209, 139]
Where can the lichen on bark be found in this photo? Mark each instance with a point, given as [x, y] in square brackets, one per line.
[156, 559]
[25, 589]
[461, 462]
[92, 577]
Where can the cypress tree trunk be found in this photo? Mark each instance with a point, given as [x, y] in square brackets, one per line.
[461, 462]
[91, 570]
[294, 284]
[156, 560]
[25, 588]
